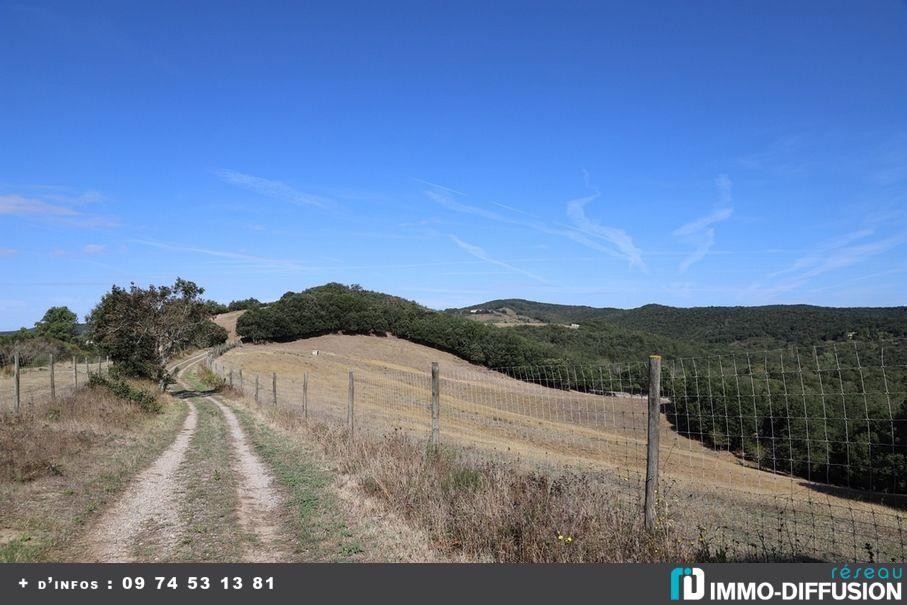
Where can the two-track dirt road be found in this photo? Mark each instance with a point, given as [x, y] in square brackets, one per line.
[148, 522]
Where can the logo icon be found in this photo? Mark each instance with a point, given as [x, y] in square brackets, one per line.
[688, 582]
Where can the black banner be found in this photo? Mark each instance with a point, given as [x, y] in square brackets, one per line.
[429, 584]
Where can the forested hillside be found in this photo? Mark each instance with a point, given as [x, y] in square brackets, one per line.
[751, 327]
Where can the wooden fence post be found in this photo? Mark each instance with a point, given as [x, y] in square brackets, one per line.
[231, 378]
[435, 404]
[274, 387]
[241, 389]
[305, 396]
[256, 388]
[53, 386]
[87, 369]
[349, 410]
[16, 369]
[99, 365]
[654, 419]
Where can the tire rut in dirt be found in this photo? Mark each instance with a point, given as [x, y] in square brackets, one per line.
[260, 501]
[144, 524]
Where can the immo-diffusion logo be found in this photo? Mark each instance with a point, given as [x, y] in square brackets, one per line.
[687, 583]
[866, 583]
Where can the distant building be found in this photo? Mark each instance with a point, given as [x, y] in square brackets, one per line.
[574, 326]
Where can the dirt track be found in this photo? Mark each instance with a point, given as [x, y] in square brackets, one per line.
[147, 511]
[260, 502]
[145, 522]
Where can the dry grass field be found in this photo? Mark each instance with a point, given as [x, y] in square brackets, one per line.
[228, 322]
[34, 382]
[711, 496]
[62, 463]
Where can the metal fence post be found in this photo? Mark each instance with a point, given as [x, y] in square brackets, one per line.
[53, 386]
[435, 404]
[654, 419]
[305, 396]
[274, 387]
[349, 411]
[16, 369]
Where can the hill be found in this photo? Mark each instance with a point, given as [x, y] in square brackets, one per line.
[751, 327]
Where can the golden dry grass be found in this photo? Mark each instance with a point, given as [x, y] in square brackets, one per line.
[488, 413]
[34, 383]
[228, 322]
[61, 462]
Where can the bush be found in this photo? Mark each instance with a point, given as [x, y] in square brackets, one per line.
[145, 400]
[209, 334]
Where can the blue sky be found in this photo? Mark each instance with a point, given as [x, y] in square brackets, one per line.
[684, 153]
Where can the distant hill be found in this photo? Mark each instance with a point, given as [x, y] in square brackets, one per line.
[765, 326]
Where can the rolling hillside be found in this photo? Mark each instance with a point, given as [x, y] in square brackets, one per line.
[751, 327]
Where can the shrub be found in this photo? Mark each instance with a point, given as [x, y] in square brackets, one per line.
[145, 400]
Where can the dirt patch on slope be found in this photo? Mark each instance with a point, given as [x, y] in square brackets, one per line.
[228, 322]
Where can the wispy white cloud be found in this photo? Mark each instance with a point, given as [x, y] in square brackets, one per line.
[848, 250]
[94, 249]
[479, 253]
[273, 189]
[700, 233]
[236, 258]
[785, 156]
[8, 252]
[576, 212]
[52, 208]
[584, 232]
[16, 205]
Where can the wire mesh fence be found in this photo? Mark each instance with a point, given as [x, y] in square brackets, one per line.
[38, 384]
[788, 454]
[785, 454]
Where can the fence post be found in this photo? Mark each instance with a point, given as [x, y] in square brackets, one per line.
[274, 386]
[435, 404]
[107, 362]
[305, 396]
[241, 389]
[654, 419]
[231, 378]
[87, 369]
[99, 365]
[53, 387]
[16, 369]
[256, 388]
[349, 409]
[75, 373]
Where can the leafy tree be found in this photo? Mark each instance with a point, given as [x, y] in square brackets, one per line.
[58, 323]
[242, 305]
[209, 334]
[144, 328]
[212, 307]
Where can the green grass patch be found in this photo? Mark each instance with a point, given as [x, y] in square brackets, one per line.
[319, 528]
